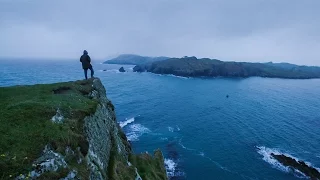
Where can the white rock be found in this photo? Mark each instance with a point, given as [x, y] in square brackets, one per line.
[58, 118]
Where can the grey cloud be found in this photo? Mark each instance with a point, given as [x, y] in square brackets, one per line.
[247, 30]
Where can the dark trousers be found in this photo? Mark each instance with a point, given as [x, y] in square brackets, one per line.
[86, 72]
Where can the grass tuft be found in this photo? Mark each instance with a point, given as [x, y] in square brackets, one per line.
[149, 167]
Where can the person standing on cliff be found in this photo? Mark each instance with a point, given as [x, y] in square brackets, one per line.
[86, 64]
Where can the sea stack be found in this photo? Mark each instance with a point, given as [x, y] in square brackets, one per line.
[122, 70]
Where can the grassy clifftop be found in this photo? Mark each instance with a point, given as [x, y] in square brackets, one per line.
[43, 123]
[26, 125]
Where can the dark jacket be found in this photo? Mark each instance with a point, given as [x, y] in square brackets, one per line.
[85, 59]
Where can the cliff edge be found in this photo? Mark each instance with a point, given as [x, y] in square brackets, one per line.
[67, 131]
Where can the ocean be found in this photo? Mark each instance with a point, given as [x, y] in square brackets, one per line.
[207, 128]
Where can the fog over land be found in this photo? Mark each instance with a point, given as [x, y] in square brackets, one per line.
[231, 30]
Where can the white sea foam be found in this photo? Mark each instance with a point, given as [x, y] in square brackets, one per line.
[182, 77]
[126, 122]
[135, 131]
[164, 139]
[170, 129]
[178, 129]
[132, 137]
[266, 153]
[184, 147]
[170, 167]
[202, 154]
[110, 70]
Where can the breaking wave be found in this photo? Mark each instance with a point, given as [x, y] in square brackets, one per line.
[266, 153]
[126, 122]
[170, 167]
[135, 131]
[172, 170]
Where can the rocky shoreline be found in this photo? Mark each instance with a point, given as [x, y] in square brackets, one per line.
[193, 67]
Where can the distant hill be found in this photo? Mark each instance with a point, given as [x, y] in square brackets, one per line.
[132, 59]
[283, 65]
[193, 67]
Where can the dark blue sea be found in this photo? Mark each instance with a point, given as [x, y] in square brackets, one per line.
[202, 133]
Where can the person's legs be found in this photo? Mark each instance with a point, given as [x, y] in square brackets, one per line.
[85, 73]
[92, 72]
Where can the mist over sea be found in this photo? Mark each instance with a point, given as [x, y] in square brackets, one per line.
[202, 133]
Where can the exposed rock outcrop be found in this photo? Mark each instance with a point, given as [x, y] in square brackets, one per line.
[140, 68]
[122, 70]
[309, 171]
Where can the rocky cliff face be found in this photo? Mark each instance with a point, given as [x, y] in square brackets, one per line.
[102, 133]
[84, 140]
[109, 155]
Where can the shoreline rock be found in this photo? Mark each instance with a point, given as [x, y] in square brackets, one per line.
[307, 170]
[122, 70]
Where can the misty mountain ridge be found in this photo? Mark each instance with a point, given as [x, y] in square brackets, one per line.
[132, 59]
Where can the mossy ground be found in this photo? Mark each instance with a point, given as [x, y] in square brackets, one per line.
[149, 167]
[26, 126]
[118, 167]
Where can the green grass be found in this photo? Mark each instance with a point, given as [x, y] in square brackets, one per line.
[26, 126]
[118, 167]
[149, 167]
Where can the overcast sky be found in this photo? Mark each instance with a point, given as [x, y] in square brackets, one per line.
[239, 30]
